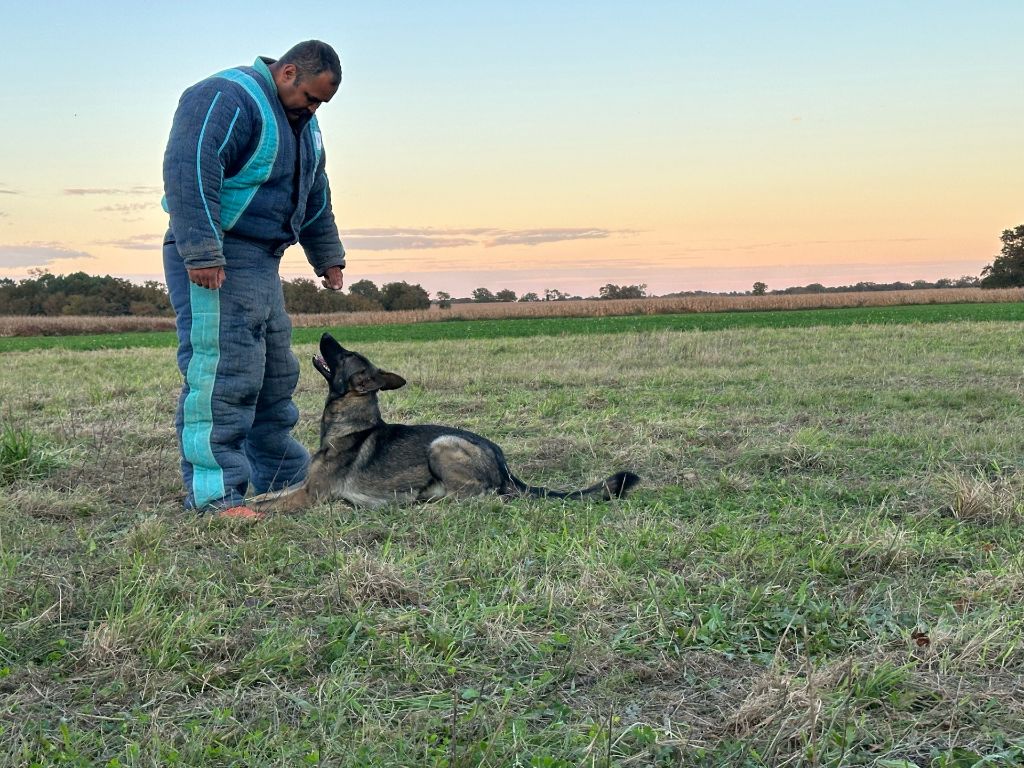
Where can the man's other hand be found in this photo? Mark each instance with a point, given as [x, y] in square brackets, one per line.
[207, 277]
[334, 279]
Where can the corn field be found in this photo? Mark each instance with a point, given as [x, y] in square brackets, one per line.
[69, 325]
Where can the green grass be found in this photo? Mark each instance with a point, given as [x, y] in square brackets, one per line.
[822, 567]
[22, 456]
[570, 326]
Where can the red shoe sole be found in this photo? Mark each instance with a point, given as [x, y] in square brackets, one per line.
[242, 513]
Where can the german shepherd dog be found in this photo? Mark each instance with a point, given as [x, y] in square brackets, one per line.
[367, 462]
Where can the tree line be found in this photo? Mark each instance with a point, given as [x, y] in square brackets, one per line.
[967, 281]
[83, 294]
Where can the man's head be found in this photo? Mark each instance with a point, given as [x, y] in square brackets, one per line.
[307, 76]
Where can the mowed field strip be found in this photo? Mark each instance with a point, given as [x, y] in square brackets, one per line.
[824, 564]
[434, 326]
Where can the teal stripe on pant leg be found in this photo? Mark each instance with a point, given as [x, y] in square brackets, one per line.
[207, 474]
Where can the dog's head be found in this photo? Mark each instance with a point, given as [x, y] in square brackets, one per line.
[349, 372]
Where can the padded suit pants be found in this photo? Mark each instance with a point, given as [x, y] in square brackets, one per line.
[235, 413]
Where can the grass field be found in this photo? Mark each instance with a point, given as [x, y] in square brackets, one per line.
[822, 567]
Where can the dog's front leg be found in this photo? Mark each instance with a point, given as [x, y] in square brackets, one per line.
[290, 499]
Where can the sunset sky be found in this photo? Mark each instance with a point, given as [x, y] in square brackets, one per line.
[534, 145]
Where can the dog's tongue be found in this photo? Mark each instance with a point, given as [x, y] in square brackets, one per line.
[321, 365]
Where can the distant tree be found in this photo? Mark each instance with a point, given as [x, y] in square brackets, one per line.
[356, 303]
[302, 295]
[531, 296]
[553, 294]
[402, 295]
[80, 304]
[612, 291]
[305, 296]
[483, 295]
[444, 300]
[1007, 269]
[367, 289]
[759, 288]
[505, 295]
[81, 294]
[966, 281]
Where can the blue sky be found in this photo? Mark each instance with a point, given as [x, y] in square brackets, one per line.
[534, 145]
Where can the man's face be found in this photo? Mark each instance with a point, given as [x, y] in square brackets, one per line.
[302, 95]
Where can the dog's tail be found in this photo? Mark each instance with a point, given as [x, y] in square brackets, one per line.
[614, 487]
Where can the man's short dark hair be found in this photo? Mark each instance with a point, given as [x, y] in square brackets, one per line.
[313, 57]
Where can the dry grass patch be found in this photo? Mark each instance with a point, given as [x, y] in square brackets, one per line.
[369, 581]
[788, 702]
[986, 499]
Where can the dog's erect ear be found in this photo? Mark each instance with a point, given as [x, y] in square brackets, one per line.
[366, 382]
[391, 380]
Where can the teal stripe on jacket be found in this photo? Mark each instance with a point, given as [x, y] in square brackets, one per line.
[238, 191]
[199, 166]
[207, 475]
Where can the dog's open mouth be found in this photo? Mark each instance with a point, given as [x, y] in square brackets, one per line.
[321, 365]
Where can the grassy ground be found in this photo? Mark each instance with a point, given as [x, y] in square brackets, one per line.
[823, 566]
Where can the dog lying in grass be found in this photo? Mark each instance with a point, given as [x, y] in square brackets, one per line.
[367, 462]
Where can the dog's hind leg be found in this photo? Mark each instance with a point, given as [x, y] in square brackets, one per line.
[463, 467]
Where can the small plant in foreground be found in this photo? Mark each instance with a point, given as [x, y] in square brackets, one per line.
[985, 499]
[21, 456]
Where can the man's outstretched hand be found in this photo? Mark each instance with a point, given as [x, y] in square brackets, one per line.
[207, 277]
[334, 279]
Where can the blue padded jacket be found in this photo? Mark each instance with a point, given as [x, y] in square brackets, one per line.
[230, 170]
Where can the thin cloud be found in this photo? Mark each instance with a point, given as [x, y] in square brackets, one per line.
[136, 190]
[403, 242]
[128, 212]
[5, 190]
[127, 207]
[539, 236]
[144, 242]
[418, 238]
[423, 231]
[794, 244]
[37, 255]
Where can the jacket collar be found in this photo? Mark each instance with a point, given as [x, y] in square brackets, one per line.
[262, 65]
